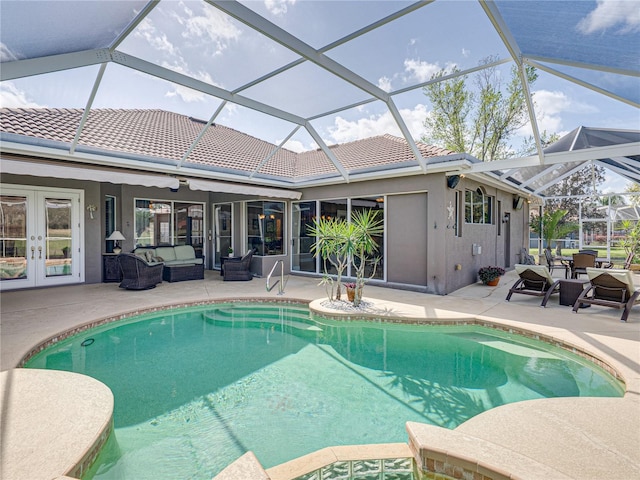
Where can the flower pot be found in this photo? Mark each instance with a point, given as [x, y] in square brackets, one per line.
[493, 283]
[351, 294]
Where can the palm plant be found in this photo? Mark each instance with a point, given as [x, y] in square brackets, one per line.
[365, 226]
[339, 241]
[631, 241]
[330, 234]
[551, 226]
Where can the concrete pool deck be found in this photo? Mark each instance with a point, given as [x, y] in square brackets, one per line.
[580, 438]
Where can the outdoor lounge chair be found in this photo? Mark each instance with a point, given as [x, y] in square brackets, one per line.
[610, 288]
[534, 280]
[137, 274]
[238, 268]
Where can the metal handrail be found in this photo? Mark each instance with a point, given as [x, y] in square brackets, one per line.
[281, 281]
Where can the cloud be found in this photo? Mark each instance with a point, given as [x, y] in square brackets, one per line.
[296, 146]
[374, 125]
[424, 71]
[212, 26]
[385, 84]
[148, 32]
[624, 15]
[550, 106]
[187, 94]
[278, 7]
[12, 97]
[6, 55]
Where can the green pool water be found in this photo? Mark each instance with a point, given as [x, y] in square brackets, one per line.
[195, 388]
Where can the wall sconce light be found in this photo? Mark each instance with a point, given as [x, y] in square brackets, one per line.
[91, 208]
[453, 180]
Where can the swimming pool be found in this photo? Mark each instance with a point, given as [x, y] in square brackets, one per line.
[196, 387]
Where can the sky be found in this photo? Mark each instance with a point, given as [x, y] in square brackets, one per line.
[196, 39]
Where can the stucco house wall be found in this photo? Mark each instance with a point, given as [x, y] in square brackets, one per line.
[422, 250]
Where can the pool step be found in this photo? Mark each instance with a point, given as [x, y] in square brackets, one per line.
[294, 318]
[236, 311]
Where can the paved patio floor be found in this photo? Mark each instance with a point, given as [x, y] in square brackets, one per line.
[583, 438]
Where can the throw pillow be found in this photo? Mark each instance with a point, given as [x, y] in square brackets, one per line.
[158, 259]
[148, 255]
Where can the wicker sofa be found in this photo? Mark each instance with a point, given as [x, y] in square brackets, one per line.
[180, 261]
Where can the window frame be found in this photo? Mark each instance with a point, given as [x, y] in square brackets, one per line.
[478, 207]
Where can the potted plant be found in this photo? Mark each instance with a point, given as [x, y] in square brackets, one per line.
[351, 290]
[340, 242]
[230, 251]
[490, 275]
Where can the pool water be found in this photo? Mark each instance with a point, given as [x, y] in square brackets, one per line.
[195, 388]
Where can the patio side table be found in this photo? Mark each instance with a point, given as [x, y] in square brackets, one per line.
[570, 290]
[110, 268]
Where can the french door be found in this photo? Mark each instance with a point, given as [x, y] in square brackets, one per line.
[40, 232]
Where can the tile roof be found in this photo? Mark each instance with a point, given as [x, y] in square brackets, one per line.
[163, 135]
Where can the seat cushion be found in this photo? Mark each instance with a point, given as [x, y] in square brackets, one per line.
[189, 261]
[166, 253]
[184, 252]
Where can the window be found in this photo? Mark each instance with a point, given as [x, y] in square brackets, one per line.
[478, 207]
[109, 220]
[160, 222]
[265, 222]
[375, 204]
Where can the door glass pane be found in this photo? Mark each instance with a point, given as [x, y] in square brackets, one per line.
[13, 237]
[332, 209]
[58, 245]
[375, 204]
[255, 227]
[189, 225]
[302, 259]
[223, 226]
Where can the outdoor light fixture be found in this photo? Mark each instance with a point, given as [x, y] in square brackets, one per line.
[453, 180]
[505, 218]
[91, 209]
[116, 236]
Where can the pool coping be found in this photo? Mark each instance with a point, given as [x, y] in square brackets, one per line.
[453, 319]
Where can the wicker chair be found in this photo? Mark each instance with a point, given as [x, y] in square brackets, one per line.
[534, 280]
[610, 288]
[137, 274]
[582, 261]
[238, 269]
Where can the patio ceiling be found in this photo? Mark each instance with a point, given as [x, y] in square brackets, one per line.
[265, 73]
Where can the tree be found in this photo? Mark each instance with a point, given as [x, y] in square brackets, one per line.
[581, 183]
[552, 225]
[480, 124]
[339, 241]
[633, 188]
[331, 235]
